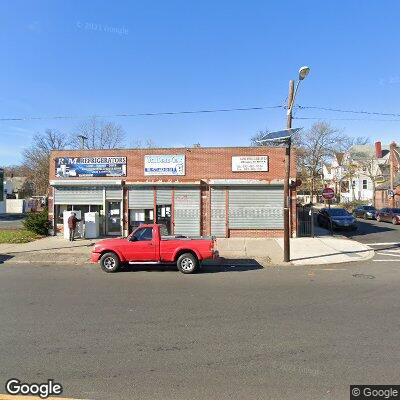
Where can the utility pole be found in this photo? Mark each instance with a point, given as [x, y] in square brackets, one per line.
[391, 160]
[286, 196]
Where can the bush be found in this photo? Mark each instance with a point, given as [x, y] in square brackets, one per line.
[38, 222]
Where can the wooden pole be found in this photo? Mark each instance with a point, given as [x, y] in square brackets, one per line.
[286, 199]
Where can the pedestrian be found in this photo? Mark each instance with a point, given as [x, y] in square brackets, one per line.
[72, 220]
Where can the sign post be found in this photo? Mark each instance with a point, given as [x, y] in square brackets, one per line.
[328, 194]
[1, 184]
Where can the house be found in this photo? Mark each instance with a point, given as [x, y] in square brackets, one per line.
[356, 174]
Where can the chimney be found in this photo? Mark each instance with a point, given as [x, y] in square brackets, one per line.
[378, 149]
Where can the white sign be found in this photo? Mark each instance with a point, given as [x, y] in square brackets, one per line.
[164, 165]
[249, 163]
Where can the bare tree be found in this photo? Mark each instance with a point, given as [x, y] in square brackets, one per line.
[100, 134]
[140, 144]
[316, 147]
[36, 158]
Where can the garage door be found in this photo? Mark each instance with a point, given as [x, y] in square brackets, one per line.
[187, 212]
[256, 208]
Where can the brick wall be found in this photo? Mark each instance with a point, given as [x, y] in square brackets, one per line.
[201, 163]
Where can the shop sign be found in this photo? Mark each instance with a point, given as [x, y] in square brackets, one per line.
[249, 163]
[73, 167]
[164, 165]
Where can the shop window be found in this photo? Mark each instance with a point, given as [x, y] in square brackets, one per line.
[140, 216]
[164, 218]
[60, 208]
[60, 212]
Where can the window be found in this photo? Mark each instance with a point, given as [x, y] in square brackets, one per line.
[70, 207]
[142, 235]
[365, 184]
[140, 216]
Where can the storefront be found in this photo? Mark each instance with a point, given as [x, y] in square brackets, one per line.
[226, 192]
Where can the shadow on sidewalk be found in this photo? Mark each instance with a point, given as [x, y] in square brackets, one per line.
[5, 257]
[350, 253]
[50, 248]
[208, 267]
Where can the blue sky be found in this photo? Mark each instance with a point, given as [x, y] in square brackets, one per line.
[111, 57]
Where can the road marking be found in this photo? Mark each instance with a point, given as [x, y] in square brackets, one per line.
[383, 244]
[331, 269]
[387, 254]
[387, 260]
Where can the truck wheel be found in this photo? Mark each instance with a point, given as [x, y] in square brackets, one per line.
[394, 221]
[109, 262]
[187, 263]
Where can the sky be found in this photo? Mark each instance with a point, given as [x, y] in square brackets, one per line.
[83, 58]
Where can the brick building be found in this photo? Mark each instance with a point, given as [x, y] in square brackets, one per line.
[226, 192]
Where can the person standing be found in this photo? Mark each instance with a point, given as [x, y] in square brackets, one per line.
[72, 220]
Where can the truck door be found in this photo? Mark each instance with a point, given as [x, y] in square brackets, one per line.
[141, 246]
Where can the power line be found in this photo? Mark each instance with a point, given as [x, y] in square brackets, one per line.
[348, 119]
[347, 111]
[150, 114]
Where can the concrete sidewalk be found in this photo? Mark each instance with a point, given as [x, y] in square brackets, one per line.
[268, 252]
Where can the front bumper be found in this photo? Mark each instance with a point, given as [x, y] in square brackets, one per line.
[94, 258]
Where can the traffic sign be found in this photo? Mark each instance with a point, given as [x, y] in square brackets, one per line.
[328, 193]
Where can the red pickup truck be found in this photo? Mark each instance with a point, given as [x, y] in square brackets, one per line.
[145, 245]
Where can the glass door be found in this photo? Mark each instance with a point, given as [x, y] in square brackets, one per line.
[113, 218]
[164, 217]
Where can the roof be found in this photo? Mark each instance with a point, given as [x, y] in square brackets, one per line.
[369, 150]
[339, 157]
[386, 185]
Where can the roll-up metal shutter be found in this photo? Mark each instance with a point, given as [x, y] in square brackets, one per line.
[256, 208]
[187, 211]
[164, 196]
[78, 195]
[113, 193]
[218, 212]
[141, 197]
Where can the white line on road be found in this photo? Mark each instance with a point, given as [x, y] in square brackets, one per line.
[386, 260]
[387, 254]
[383, 244]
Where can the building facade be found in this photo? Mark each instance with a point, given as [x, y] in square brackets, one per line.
[226, 192]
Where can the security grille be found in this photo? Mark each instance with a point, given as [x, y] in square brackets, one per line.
[256, 208]
[141, 197]
[113, 193]
[187, 212]
[78, 195]
[218, 212]
[164, 196]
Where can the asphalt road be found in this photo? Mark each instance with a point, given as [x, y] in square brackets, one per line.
[226, 333]
[11, 221]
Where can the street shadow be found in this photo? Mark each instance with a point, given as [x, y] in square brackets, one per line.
[11, 217]
[365, 228]
[4, 258]
[349, 253]
[52, 248]
[207, 267]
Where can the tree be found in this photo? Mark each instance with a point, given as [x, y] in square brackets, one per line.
[36, 158]
[100, 134]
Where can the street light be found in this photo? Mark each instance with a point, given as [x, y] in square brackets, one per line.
[303, 72]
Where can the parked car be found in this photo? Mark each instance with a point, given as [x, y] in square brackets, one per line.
[336, 218]
[366, 212]
[389, 215]
[145, 245]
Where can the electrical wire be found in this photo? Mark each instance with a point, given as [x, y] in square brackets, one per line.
[347, 111]
[150, 114]
[348, 119]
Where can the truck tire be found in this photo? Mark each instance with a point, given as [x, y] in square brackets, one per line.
[187, 263]
[110, 262]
